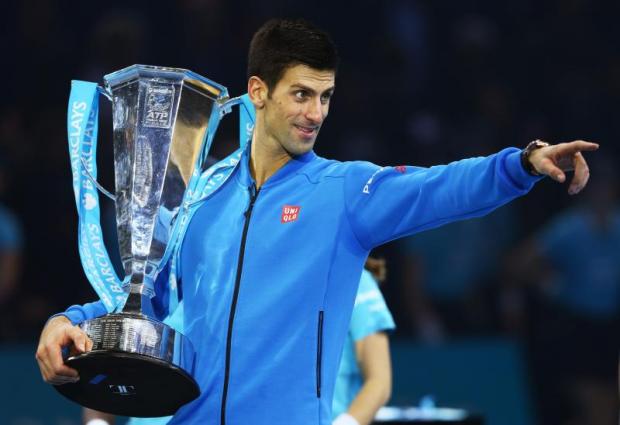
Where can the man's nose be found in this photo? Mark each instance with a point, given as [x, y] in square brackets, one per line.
[314, 112]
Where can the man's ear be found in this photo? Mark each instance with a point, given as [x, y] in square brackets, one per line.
[258, 91]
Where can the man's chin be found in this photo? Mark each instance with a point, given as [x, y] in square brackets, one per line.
[301, 148]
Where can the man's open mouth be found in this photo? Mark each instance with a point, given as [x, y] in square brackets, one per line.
[306, 130]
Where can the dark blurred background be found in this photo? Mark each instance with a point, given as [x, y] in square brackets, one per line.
[513, 316]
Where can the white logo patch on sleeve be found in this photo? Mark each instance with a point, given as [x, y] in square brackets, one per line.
[369, 182]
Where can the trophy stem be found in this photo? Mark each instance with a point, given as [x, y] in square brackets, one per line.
[138, 301]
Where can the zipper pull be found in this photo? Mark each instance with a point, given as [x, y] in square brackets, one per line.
[253, 195]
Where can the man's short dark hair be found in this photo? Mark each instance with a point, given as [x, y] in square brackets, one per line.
[282, 43]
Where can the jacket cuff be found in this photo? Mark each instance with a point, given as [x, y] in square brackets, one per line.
[77, 313]
[517, 173]
[75, 316]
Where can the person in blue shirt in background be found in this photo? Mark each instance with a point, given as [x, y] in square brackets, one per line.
[448, 279]
[11, 253]
[364, 380]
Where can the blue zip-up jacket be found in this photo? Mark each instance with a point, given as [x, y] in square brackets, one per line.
[269, 278]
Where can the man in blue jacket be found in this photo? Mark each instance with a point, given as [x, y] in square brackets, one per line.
[270, 264]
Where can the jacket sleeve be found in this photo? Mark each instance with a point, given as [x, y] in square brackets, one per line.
[79, 313]
[385, 203]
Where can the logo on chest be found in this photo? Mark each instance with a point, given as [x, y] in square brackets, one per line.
[289, 213]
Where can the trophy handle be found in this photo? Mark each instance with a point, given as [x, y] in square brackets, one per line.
[104, 92]
[96, 183]
[226, 104]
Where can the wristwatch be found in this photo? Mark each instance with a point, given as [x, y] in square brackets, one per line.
[525, 155]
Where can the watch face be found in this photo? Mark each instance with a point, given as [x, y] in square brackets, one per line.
[525, 161]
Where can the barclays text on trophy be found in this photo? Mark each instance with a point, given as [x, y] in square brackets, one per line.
[164, 120]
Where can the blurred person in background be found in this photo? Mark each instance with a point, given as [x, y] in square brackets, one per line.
[364, 380]
[449, 276]
[572, 321]
[11, 243]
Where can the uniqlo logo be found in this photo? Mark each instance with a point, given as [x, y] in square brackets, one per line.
[401, 169]
[290, 213]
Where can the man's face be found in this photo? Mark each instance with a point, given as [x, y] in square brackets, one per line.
[297, 107]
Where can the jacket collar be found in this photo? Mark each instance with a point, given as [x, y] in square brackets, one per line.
[287, 170]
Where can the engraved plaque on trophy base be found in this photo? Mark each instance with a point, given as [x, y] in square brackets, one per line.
[137, 367]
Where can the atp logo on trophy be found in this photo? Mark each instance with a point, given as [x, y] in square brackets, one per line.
[158, 110]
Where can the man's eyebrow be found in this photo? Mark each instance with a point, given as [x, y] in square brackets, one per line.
[311, 90]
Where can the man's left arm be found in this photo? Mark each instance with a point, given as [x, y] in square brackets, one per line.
[385, 203]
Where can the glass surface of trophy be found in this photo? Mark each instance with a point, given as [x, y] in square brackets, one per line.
[138, 365]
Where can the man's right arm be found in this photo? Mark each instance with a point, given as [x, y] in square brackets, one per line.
[61, 331]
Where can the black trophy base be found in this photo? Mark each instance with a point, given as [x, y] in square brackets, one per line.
[129, 384]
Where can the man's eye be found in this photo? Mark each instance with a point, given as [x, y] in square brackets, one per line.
[301, 95]
[325, 98]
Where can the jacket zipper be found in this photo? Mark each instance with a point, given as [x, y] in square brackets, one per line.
[248, 213]
[319, 354]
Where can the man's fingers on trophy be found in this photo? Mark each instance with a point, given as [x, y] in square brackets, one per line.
[52, 366]
[58, 367]
[44, 358]
[89, 344]
[78, 337]
[80, 345]
[43, 363]
[60, 380]
[39, 355]
[63, 374]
